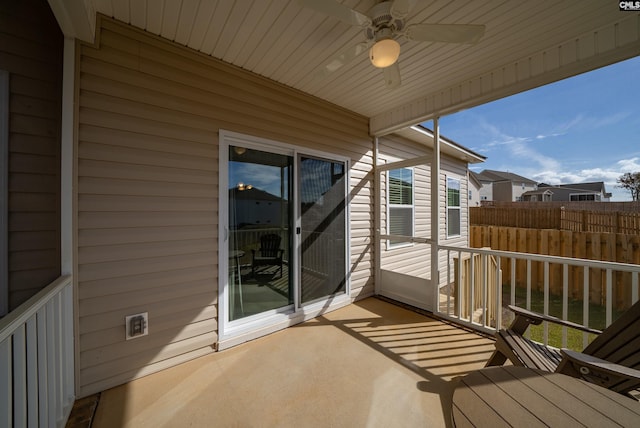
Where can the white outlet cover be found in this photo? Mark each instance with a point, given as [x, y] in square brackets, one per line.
[127, 321]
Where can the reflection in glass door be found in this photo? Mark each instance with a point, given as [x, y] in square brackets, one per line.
[259, 245]
[322, 220]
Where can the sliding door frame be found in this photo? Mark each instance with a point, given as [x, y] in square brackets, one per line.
[231, 333]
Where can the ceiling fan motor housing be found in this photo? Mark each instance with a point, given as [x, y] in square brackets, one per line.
[382, 20]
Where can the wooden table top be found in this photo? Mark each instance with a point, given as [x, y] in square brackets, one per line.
[521, 397]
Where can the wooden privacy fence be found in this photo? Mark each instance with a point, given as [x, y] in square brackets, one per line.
[627, 222]
[564, 243]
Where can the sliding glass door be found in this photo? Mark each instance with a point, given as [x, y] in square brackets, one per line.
[323, 231]
[286, 245]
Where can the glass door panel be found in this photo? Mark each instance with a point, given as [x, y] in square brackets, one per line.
[260, 241]
[323, 228]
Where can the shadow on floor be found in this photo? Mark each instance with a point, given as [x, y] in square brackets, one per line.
[371, 363]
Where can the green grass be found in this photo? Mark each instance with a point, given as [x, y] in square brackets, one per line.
[597, 317]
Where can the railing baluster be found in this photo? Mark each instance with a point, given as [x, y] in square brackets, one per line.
[545, 337]
[43, 397]
[565, 301]
[634, 287]
[448, 287]
[513, 281]
[483, 274]
[459, 285]
[6, 381]
[32, 371]
[472, 289]
[498, 305]
[68, 349]
[609, 301]
[585, 304]
[19, 378]
[528, 303]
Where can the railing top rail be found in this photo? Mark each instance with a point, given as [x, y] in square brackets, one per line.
[596, 264]
[23, 312]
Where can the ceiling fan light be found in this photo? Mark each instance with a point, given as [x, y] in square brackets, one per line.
[384, 53]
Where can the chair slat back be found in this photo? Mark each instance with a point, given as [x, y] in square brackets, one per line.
[269, 245]
[620, 342]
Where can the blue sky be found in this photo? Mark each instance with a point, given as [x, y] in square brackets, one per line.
[585, 128]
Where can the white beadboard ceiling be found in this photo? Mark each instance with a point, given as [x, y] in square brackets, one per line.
[526, 44]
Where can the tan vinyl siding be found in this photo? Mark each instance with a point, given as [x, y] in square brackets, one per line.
[149, 114]
[31, 52]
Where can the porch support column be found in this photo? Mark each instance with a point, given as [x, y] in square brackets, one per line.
[68, 177]
[435, 215]
[377, 204]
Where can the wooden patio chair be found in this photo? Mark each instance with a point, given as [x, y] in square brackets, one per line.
[611, 360]
[269, 253]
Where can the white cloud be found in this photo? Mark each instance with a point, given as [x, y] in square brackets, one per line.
[530, 163]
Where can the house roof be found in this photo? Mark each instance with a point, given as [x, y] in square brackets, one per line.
[590, 187]
[495, 176]
[538, 192]
[594, 186]
[524, 45]
[424, 135]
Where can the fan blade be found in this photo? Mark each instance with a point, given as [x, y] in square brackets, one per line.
[401, 8]
[392, 76]
[337, 10]
[451, 33]
[342, 58]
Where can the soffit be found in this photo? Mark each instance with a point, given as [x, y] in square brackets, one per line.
[526, 44]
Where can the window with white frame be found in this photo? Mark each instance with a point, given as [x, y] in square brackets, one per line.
[453, 207]
[400, 216]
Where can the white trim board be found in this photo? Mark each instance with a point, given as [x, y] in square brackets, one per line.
[4, 192]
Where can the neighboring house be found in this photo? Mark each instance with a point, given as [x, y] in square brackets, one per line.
[540, 195]
[117, 140]
[583, 192]
[255, 207]
[475, 188]
[504, 186]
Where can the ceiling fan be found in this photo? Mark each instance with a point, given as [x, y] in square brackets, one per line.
[384, 24]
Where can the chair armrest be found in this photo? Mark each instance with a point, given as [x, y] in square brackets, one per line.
[524, 318]
[601, 372]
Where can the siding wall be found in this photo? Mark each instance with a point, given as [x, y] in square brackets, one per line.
[31, 51]
[149, 115]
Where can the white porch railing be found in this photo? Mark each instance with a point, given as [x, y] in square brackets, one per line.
[36, 359]
[479, 290]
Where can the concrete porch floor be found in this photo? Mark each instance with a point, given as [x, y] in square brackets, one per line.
[371, 364]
